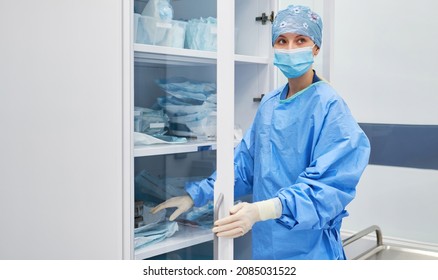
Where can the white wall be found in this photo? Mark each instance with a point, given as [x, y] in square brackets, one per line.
[385, 59]
[385, 68]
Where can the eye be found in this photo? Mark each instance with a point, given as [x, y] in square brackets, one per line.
[301, 41]
[280, 41]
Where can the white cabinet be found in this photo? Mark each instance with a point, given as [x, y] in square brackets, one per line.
[241, 72]
[70, 77]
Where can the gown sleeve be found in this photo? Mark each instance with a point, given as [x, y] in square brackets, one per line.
[202, 191]
[321, 192]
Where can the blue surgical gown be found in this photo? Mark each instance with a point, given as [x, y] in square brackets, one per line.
[308, 151]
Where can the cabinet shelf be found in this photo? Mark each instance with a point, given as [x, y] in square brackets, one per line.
[151, 54]
[158, 55]
[166, 149]
[186, 236]
[248, 59]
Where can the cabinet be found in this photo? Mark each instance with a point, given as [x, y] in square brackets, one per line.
[241, 72]
[69, 80]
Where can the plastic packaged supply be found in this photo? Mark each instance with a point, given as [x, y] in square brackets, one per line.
[145, 139]
[191, 107]
[153, 233]
[188, 91]
[201, 34]
[150, 121]
[159, 9]
[184, 84]
[153, 31]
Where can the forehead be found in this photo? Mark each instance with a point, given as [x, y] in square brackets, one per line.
[292, 36]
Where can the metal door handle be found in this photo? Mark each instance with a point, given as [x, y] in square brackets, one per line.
[218, 204]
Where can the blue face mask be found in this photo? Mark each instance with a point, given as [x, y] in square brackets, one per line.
[293, 62]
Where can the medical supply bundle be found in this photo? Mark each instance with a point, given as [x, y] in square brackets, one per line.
[153, 228]
[201, 34]
[156, 26]
[150, 121]
[150, 127]
[191, 107]
[152, 31]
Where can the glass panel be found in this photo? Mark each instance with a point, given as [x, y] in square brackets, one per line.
[158, 178]
[174, 124]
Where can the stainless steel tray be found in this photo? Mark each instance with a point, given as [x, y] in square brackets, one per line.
[386, 252]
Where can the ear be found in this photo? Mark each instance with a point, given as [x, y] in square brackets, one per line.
[316, 51]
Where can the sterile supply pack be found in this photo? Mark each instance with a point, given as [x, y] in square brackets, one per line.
[145, 139]
[201, 34]
[150, 121]
[160, 9]
[191, 107]
[153, 233]
[153, 31]
[153, 228]
[155, 25]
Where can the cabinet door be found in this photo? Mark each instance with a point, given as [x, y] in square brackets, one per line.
[240, 73]
[61, 122]
[174, 114]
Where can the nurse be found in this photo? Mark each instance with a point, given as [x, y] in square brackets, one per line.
[301, 158]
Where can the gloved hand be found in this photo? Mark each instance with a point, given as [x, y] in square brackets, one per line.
[244, 215]
[182, 203]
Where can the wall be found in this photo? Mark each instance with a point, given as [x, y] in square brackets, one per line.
[384, 67]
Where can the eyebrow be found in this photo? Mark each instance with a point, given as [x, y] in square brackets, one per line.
[297, 36]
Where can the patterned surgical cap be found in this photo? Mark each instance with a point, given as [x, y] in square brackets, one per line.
[299, 20]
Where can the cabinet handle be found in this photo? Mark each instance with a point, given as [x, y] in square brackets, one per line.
[218, 204]
[264, 18]
[258, 99]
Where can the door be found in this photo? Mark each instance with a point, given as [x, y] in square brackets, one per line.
[174, 120]
[237, 73]
[61, 120]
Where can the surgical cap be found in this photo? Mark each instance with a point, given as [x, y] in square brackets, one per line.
[299, 20]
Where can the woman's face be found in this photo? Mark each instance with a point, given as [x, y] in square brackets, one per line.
[294, 41]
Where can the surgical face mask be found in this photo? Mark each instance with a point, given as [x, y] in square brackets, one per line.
[293, 62]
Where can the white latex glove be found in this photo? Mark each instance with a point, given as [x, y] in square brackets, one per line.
[182, 204]
[244, 215]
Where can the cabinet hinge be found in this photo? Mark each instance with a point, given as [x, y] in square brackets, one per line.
[264, 18]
